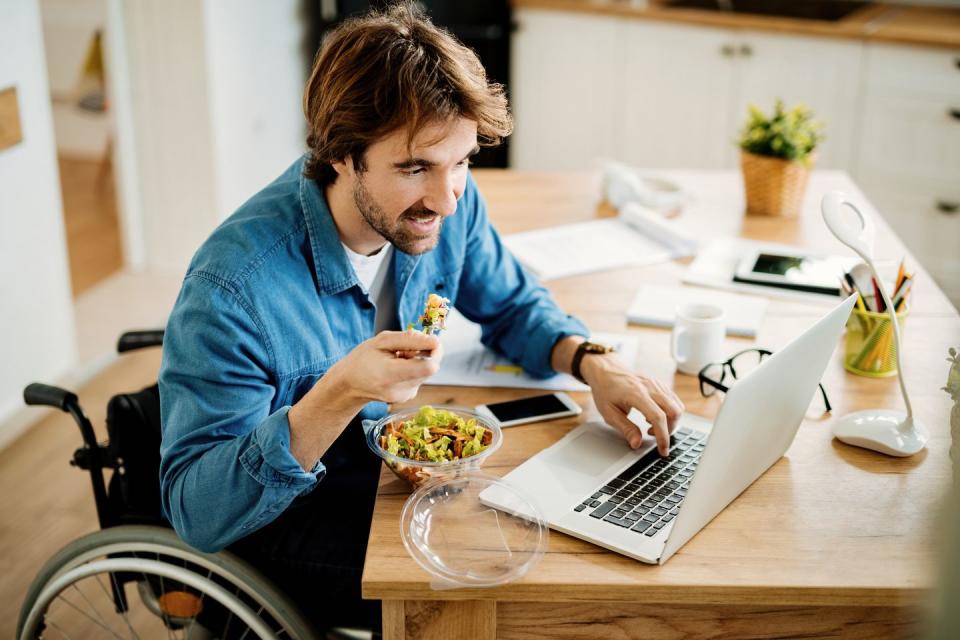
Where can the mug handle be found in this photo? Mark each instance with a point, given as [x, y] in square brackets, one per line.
[678, 332]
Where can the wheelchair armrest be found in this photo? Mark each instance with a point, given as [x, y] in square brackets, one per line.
[45, 394]
[133, 340]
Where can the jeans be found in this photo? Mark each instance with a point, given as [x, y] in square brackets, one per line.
[314, 551]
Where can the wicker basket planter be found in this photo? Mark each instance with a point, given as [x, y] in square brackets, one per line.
[774, 186]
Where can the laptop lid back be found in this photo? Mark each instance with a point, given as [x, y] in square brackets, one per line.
[756, 424]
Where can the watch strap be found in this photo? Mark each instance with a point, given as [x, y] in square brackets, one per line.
[583, 349]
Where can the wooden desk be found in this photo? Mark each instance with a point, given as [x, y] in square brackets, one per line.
[833, 541]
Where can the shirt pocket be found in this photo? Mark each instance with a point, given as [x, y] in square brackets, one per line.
[444, 284]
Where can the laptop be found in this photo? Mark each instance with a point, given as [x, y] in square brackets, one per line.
[591, 485]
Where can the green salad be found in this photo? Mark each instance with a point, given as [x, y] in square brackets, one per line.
[435, 435]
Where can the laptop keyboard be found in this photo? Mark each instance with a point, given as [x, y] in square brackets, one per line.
[646, 496]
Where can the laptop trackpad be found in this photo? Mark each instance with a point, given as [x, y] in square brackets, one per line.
[589, 453]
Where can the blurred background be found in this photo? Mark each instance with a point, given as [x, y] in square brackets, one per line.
[129, 130]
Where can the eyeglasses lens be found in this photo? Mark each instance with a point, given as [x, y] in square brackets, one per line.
[713, 372]
[745, 362]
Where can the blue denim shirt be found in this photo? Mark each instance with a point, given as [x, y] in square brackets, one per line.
[268, 304]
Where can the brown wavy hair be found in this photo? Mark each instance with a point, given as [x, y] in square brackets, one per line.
[392, 69]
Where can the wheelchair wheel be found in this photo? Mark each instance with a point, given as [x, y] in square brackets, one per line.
[81, 592]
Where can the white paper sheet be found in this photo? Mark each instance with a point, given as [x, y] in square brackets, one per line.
[467, 363]
[657, 306]
[636, 237]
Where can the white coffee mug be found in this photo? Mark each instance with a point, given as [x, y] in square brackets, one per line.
[697, 338]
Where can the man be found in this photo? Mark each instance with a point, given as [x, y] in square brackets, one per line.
[285, 332]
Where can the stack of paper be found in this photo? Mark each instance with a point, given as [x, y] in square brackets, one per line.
[636, 237]
[657, 306]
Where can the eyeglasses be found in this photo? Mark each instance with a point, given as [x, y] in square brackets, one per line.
[713, 376]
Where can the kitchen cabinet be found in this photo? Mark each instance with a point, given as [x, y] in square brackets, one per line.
[822, 73]
[909, 151]
[565, 88]
[678, 94]
[665, 95]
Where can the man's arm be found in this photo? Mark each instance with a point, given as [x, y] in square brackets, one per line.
[520, 318]
[226, 467]
[230, 464]
[372, 371]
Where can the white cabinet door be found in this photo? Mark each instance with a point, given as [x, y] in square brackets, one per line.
[677, 96]
[907, 139]
[565, 83]
[927, 225]
[822, 73]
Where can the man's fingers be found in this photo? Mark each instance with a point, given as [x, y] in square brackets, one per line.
[657, 419]
[630, 431]
[406, 341]
[669, 403]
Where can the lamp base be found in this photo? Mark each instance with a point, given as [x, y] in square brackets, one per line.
[889, 432]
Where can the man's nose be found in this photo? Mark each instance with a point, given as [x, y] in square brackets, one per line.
[442, 195]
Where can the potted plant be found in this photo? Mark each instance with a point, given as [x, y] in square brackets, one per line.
[776, 155]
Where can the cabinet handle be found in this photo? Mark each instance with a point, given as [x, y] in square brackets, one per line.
[948, 207]
[954, 113]
[727, 51]
[746, 50]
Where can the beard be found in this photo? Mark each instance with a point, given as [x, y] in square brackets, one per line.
[395, 231]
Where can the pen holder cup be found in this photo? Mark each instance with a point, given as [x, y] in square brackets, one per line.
[871, 347]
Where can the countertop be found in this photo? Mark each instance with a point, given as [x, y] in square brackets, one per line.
[917, 25]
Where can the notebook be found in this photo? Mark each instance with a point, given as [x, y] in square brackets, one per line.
[657, 306]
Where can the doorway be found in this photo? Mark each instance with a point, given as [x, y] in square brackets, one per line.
[76, 73]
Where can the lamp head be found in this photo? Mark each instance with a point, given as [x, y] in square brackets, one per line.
[851, 226]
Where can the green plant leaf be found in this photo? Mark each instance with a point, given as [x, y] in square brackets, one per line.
[791, 134]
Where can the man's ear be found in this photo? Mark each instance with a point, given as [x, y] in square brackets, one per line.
[343, 167]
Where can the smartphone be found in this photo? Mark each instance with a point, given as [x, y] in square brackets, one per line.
[793, 271]
[533, 409]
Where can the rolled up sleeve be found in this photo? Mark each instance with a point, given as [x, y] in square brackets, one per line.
[226, 467]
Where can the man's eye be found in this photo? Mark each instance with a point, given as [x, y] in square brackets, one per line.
[414, 172]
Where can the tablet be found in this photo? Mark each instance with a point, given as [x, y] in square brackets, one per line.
[795, 271]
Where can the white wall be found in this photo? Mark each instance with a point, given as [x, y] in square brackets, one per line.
[256, 75]
[213, 105]
[36, 314]
[169, 119]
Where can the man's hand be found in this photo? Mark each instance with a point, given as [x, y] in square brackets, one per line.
[616, 390]
[384, 368]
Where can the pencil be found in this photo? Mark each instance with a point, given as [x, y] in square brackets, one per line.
[900, 274]
[505, 368]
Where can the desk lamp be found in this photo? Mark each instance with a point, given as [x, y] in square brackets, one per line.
[894, 433]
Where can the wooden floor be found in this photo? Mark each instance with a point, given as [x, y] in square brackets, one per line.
[90, 218]
[44, 502]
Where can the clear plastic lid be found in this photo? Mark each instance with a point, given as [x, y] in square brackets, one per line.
[462, 542]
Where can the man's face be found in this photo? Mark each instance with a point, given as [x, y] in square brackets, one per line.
[406, 192]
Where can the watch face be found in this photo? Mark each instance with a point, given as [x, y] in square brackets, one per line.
[593, 347]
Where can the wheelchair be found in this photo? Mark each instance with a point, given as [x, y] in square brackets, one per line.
[134, 578]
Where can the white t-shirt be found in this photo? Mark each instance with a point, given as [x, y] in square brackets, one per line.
[376, 277]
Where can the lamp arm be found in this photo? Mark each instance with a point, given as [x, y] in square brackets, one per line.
[896, 334]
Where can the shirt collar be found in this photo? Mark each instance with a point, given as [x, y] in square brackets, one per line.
[330, 263]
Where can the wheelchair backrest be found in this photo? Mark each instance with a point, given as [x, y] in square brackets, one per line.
[133, 426]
